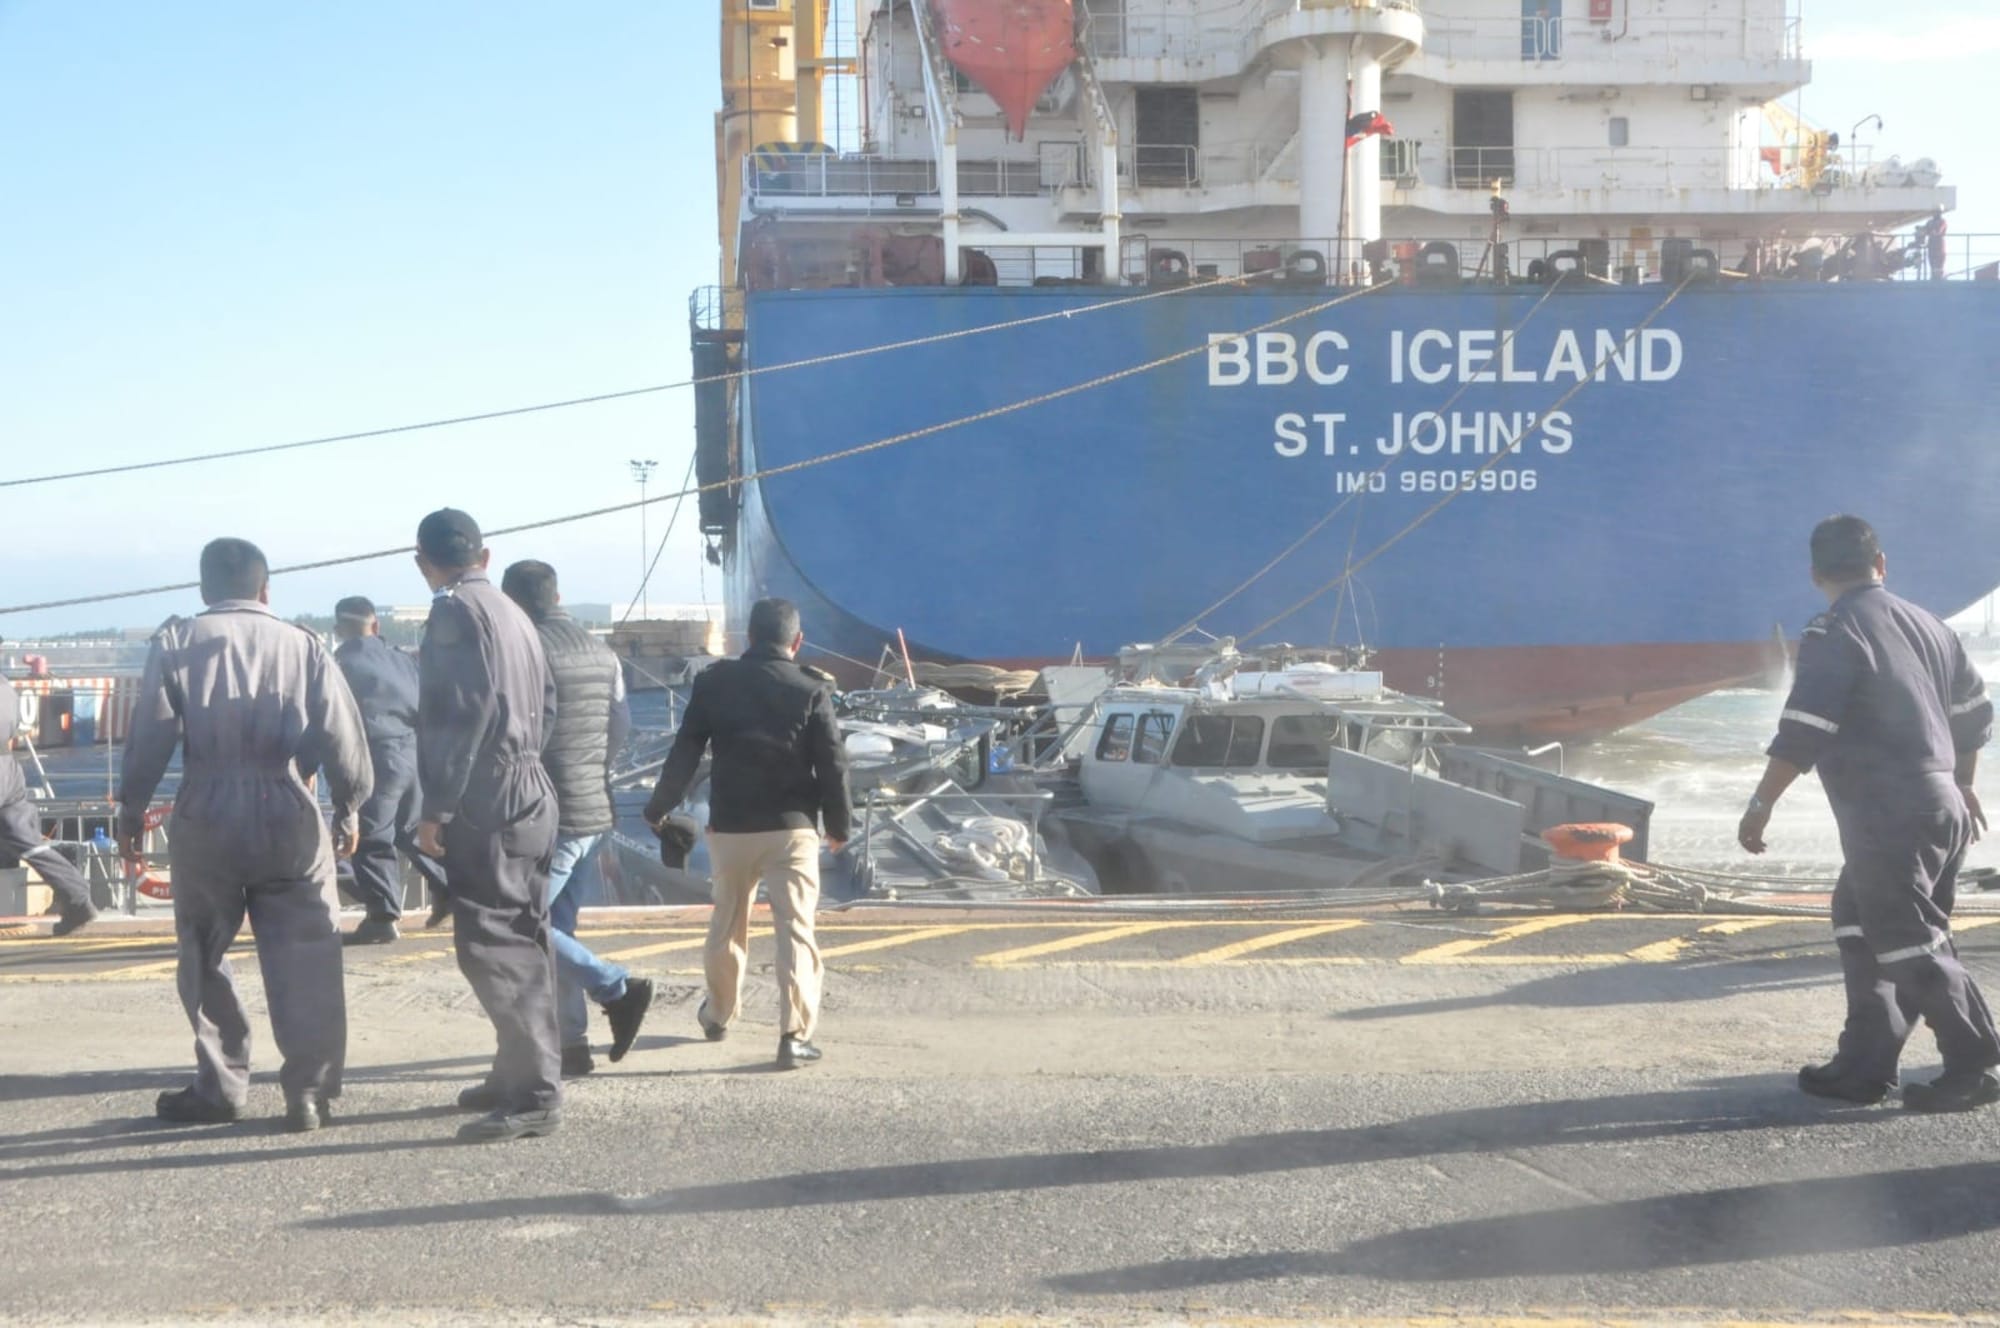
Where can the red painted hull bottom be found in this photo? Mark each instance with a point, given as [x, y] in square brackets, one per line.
[1521, 694]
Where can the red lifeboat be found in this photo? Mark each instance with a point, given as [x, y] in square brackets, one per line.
[1012, 48]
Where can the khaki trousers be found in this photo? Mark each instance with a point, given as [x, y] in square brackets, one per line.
[787, 862]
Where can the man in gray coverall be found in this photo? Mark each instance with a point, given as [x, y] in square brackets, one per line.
[21, 833]
[1887, 707]
[486, 697]
[261, 707]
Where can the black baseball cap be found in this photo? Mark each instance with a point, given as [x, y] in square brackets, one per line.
[355, 608]
[450, 538]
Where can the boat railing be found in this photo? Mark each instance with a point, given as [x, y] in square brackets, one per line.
[894, 807]
[87, 830]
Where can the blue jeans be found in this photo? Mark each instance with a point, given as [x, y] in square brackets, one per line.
[580, 975]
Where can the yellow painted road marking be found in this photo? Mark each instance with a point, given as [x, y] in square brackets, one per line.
[95, 944]
[1974, 924]
[417, 956]
[1737, 926]
[1002, 958]
[663, 947]
[1223, 954]
[890, 942]
[1660, 952]
[1454, 952]
[139, 971]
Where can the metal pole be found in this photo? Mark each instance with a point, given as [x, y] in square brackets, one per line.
[643, 471]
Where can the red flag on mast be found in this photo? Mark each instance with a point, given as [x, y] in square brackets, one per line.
[1367, 123]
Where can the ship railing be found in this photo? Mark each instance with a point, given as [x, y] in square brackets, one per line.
[784, 175]
[1970, 257]
[1236, 31]
[1255, 261]
[1273, 262]
[1186, 166]
[1659, 43]
[1115, 31]
[1545, 169]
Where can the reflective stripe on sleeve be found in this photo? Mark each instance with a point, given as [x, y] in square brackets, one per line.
[1847, 933]
[1967, 707]
[1810, 720]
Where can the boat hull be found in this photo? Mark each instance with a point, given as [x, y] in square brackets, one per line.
[1559, 516]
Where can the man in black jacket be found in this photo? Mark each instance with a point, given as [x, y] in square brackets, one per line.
[779, 769]
[592, 722]
[486, 701]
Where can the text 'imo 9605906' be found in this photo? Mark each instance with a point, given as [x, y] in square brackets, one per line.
[1521, 341]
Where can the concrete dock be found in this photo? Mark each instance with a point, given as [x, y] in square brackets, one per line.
[1373, 1116]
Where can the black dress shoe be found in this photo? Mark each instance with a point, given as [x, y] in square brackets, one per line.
[501, 1126]
[713, 1032]
[1954, 1092]
[576, 1061]
[627, 1013]
[795, 1053]
[373, 931]
[307, 1114]
[440, 910]
[73, 918]
[479, 1097]
[184, 1106]
[1833, 1081]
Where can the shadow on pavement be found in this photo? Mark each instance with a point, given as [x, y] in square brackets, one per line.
[1841, 1215]
[87, 1083]
[252, 1129]
[92, 1083]
[1635, 984]
[1762, 1102]
[141, 1131]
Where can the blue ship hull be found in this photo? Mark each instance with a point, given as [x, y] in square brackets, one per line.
[1562, 530]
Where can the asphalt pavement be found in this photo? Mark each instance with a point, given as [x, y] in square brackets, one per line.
[1380, 1117]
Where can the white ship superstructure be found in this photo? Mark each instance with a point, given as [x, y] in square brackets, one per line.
[1209, 129]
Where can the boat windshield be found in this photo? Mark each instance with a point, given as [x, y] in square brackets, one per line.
[1220, 742]
[1302, 742]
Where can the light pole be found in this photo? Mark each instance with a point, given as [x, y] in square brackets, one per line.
[643, 471]
[1855, 164]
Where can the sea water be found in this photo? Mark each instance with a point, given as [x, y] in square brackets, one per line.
[1700, 762]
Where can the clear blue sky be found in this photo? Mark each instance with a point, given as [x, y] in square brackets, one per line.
[235, 223]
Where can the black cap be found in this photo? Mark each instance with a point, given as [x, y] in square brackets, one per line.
[449, 538]
[355, 608]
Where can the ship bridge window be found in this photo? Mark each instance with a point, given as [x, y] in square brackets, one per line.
[1302, 742]
[1116, 744]
[1154, 730]
[1220, 742]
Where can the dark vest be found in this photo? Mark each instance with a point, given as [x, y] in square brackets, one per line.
[577, 753]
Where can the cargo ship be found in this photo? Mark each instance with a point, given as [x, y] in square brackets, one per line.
[1520, 342]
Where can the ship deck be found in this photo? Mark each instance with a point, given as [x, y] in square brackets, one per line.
[1387, 1115]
